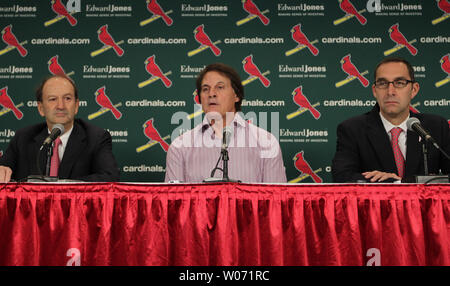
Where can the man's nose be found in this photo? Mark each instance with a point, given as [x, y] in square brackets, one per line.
[391, 88]
[60, 103]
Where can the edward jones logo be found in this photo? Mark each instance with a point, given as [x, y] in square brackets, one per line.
[154, 138]
[305, 169]
[352, 72]
[156, 73]
[253, 71]
[12, 42]
[302, 42]
[205, 42]
[106, 105]
[55, 68]
[253, 13]
[107, 40]
[350, 12]
[64, 12]
[8, 105]
[400, 40]
[158, 13]
[304, 105]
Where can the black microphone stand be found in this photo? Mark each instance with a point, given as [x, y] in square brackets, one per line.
[41, 177]
[427, 178]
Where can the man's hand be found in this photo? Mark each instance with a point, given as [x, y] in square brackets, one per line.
[5, 174]
[377, 176]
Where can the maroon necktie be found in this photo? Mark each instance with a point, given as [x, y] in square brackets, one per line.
[399, 160]
[54, 162]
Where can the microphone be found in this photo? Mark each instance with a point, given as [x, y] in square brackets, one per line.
[57, 130]
[226, 136]
[413, 124]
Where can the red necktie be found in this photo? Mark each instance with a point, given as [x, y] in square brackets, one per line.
[399, 160]
[54, 162]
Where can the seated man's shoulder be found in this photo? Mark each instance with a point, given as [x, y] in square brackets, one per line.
[90, 128]
[30, 131]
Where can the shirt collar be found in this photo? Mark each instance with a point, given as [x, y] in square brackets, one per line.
[65, 137]
[388, 125]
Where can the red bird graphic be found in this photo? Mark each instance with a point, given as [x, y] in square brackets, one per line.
[445, 64]
[153, 69]
[107, 39]
[301, 100]
[348, 8]
[103, 100]
[202, 38]
[449, 123]
[399, 39]
[60, 9]
[6, 102]
[413, 109]
[153, 134]
[1, 153]
[301, 39]
[444, 5]
[196, 97]
[10, 39]
[303, 167]
[155, 8]
[253, 70]
[349, 68]
[54, 67]
[252, 9]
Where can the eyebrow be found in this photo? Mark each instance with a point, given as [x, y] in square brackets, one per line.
[397, 78]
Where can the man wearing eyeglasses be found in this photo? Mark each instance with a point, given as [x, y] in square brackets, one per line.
[376, 146]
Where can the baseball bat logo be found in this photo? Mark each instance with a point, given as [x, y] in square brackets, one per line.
[8, 105]
[12, 42]
[106, 105]
[55, 68]
[350, 12]
[62, 12]
[352, 72]
[156, 73]
[157, 13]
[254, 12]
[305, 169]
[302, 42]
[108, 41]
[303, 103]
[445, 66]
[205, 42]
[254, 73]
[444, 6]
[154, 137]
[400, 41]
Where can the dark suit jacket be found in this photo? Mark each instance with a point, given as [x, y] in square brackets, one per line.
[88, 155]
[363, 145]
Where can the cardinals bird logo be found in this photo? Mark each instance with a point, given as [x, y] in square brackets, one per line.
[153, 135]
[205, 42]
[12, 43]
[105, 38]
[445, 66]
[350, 12]
[154, 8]
[106, 105]
[62, 13]
[303, 104]
[400, 40]
[412, 107]
[252, 70]
[55, 68]
[352, 72]
[444, 6]
[8, 105]
[156, 73]
[303, 166]
[302, 42]
[253, 13]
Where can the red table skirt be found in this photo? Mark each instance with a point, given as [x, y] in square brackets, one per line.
[224, 224]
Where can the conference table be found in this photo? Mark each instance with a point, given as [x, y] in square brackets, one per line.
[224, 224]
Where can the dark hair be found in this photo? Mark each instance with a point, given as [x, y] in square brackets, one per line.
[230, 73]
[41, 86]
[395, 60]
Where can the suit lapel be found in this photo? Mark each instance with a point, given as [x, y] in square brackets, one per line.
[379, 140]
[75, 145]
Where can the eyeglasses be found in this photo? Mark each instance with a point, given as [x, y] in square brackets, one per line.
[398, 83]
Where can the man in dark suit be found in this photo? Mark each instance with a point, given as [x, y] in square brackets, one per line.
[376, 146]
[84, 151]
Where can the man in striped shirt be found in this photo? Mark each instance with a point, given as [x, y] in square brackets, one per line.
[254, 154]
